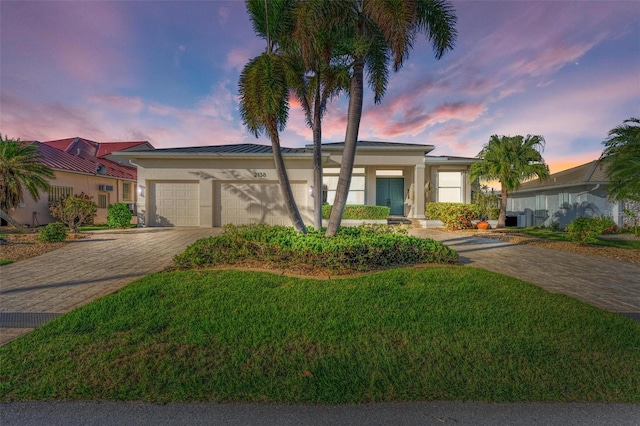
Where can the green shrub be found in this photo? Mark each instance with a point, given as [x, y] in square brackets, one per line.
[359, 212]
[454, 215]
[118, 215]
[53, 233]
[352, 249]
[74, 211]
[586, 230]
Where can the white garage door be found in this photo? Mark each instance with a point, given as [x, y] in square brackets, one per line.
[174, 204]
[247, 203]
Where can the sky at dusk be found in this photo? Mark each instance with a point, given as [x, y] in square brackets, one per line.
[167, 72]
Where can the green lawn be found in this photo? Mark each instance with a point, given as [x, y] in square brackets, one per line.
[5, 262]
[548, 234]
[442, 333]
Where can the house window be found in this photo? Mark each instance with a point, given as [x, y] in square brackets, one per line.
[356, 190]
[126, 191]
[103, 201]
[541, 202]
[450, 187]
[57, 193]
[563, 200]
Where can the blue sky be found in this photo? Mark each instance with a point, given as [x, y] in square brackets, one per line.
[167, 72]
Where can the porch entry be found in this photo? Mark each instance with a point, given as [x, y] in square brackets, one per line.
[390, 193]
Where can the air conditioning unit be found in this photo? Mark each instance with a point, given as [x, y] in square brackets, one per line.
[105, 187]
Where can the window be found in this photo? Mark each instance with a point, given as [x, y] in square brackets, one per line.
[450, 187]
[126, 191]
[103, 201]
[356, 190]
[541, 202]
[57, 193]
[563, 200]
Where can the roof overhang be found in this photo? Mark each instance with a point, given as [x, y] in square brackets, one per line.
[444, 161]
[163, 155]
[384, 146]
[552, 187]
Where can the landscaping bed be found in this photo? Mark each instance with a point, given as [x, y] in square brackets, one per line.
[18, 246]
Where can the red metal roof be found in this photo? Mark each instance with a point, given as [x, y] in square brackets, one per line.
[83, 162]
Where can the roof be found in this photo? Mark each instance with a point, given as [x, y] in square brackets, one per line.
[77, 155]
[594, 172]
[89, 149]
[375, 145]
[449, 159]
[244, 148]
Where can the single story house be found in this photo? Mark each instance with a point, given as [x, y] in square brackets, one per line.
[581, 191]
[82, 166]
[237, 184]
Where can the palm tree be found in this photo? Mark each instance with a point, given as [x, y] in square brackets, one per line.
[622, 154]
[315, 80]
[377, 33]
[510, 160]
[21, 168]
[264, 89]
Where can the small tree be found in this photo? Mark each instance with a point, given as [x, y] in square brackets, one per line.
[74, 211]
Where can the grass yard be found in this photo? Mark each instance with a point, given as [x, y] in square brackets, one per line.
[548, 234]
[440, 333]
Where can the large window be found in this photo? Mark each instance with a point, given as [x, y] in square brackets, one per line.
[57, 193]
[356, 190]
[541, 202]
[563, 200]
[450, 187]
[126, 191]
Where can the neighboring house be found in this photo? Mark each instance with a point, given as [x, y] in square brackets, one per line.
[581, 191]
[237, 184]
[83, 166]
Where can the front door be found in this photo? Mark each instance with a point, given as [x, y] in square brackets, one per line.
[390, 193]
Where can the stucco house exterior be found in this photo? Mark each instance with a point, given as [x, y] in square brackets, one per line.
[237, 184]
[581, 191]
[82, 166]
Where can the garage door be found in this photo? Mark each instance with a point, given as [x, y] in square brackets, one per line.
[247, 203]
[174, 204]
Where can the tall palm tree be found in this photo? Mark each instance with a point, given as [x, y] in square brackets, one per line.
[378, 33]
[315, 80]
[510, 160]
[21, 168]
[622, 154]
[264, 89]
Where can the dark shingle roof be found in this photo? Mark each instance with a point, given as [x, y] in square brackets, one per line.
[592, 172]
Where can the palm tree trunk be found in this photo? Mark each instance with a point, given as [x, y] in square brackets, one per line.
[317, 161]
[4, 215]
[285, 185]
[502, 218]
[350, 142]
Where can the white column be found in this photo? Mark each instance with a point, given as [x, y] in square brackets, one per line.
[419, 201]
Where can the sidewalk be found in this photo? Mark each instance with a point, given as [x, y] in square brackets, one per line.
[608, 284]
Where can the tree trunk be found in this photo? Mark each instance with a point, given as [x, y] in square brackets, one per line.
[502, 218]
[4, 215]
[317, 161]
[285, 185]
[350, 142]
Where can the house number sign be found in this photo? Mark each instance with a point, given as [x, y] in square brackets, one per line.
[259, 175]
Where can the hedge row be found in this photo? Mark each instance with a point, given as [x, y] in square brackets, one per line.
[359, 212]
[352, 249]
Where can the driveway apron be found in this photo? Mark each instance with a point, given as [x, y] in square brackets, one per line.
[36, 290]
[606, 283]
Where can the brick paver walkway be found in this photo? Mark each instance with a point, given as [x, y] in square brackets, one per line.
[83, 270]
[608, 284]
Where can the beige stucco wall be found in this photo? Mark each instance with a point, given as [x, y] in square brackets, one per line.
[80, 183]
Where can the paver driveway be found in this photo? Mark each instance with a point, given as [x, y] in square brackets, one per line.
[83, 270]
[606, 283]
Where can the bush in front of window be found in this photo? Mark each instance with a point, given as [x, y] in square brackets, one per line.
[359, 212]
[119, 215]
[454, 215]
[74, 211]
[53, 233]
